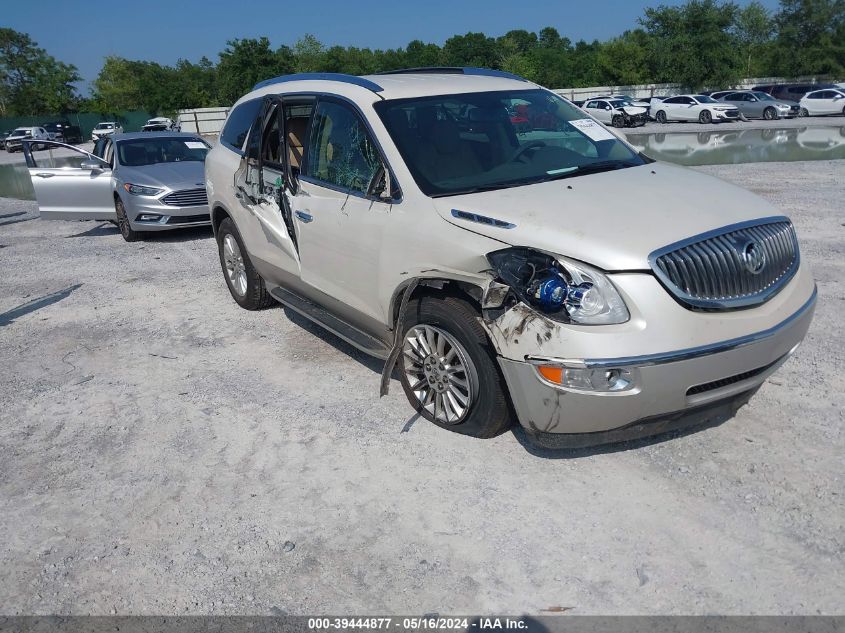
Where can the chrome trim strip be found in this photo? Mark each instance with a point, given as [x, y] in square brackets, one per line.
[680, 355]
[481, 219]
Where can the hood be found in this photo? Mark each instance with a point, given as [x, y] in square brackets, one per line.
[633, 110]
[103, 132]
[189, 174]
[612, 220]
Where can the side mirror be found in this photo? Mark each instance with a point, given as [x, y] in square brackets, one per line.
[92, 164]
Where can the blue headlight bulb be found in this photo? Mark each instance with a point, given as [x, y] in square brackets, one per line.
[550, 293]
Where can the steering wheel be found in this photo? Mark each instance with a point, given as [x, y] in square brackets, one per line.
[524, 148]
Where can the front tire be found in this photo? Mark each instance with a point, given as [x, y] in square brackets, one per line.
[129, 234]
[245, 284]
[449, 371]
[770, 114]
[618, 121]
[803, 112]
[705, 117]
[661, 117]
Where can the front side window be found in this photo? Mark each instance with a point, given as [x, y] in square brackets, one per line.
[138, 152]
[465, 143]
[340, 150]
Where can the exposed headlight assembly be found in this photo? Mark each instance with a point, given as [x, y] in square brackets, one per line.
[140, 190]
[561, 289]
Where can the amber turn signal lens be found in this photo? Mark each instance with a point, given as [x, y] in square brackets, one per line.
[552, 374]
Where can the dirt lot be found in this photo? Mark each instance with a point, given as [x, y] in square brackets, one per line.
[165, 452]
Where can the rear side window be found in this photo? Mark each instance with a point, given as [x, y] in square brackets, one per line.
[237, 125]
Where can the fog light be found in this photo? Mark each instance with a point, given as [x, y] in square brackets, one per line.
[584, 379]
[149, 217]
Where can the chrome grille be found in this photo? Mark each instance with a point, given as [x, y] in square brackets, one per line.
[186, 198]
[734, 267]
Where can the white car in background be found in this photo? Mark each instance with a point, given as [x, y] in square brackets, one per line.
[105, 128]
[15, 140]
[699, 108]
[821, 102]
[616, 112]
[161, 124]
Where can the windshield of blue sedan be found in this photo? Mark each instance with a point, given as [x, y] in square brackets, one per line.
[466, 143]
[138, 152]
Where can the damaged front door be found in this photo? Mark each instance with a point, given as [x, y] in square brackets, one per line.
[263, 183]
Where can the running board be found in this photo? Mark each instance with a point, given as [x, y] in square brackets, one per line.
[325, 319]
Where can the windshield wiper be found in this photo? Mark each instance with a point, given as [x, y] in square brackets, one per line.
[589, 168]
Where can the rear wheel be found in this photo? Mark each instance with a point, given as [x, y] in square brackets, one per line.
[705, 117]
[129, 234]
[661, 117]
[245, 284]
[770, 114]
[449, 371]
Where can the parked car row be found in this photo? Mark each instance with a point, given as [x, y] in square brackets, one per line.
[54, 131]
[382, 209]
[767, 102]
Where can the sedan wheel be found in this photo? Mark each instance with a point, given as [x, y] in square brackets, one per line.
[705, 117]
[661, 117]
[129, 234]
[770, 114]
[803, 112]
[440, 373]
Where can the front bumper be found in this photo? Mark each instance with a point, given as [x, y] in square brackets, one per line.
[672, 390]
[726, 115]
[163, 217]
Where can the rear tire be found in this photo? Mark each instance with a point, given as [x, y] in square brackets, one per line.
[705, 117]
[465, 357]
[129, 234]
[661, 117]
[245, 284]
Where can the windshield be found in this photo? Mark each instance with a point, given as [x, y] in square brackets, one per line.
[704, 99]
[466, 143]
[137, 152]
[21, 131]
[762, 96]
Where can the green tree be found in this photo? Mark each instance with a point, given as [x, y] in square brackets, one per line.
[623, 61]
[245, 62]
[754, 29]
[472, 49]
[31, 81]
[309, 54]
[694, 44]
[810, 37]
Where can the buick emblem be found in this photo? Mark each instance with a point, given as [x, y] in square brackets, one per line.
[753, 256]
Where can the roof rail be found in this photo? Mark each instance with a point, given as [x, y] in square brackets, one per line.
[347, 79]
[454, 70]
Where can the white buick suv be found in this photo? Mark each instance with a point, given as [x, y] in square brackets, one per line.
[545, 272]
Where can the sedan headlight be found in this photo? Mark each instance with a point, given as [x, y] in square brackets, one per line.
[560, 288]
[140, 190]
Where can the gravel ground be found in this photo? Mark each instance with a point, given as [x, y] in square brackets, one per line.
[166, 452]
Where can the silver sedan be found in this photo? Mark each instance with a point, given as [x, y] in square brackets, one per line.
[142, 182]
[759, 105]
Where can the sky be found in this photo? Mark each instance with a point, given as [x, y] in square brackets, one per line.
[83, 33]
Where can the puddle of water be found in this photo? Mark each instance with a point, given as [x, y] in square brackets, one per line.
[743, 146]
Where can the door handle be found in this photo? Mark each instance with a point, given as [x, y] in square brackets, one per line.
[45, 175]
[304, 217]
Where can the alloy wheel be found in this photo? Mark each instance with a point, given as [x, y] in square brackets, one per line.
[441, 374]
[234, 261]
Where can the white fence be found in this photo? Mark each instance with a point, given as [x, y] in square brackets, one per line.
[203, 120]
